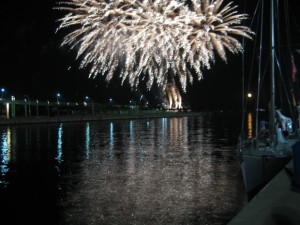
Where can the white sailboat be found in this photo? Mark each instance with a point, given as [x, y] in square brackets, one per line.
[265, 154]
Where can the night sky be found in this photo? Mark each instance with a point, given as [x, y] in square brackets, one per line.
[34, 64]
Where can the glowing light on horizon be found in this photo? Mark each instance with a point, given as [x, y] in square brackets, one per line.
[151, 40]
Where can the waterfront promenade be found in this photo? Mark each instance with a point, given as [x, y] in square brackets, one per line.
[29, 112]
[106, 116]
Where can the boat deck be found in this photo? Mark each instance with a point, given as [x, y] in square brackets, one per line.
[281, 149]
[275, 204]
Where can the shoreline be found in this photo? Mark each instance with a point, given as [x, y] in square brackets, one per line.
[98, 117]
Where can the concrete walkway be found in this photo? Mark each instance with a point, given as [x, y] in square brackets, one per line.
[275, 204]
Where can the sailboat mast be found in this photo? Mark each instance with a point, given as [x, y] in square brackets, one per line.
[259, 67]
[272, 75]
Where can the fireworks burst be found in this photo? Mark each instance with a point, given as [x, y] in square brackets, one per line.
[155, 40]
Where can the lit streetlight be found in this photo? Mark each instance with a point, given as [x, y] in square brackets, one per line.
[57, 97]
[249, 95]
[48, 108]
[57, 101]
[25, 107]
[13, 107]
[87, 98]
[2, 92]
[29, 110]
[37, 108]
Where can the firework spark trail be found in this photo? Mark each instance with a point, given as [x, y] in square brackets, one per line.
[152, 39]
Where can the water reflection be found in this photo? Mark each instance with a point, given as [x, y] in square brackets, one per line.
[250, 125]
[154, 171]
[166, 171]
[87, 140]
[111, 139]
[59, 144]
[164, 126]
[6, 148]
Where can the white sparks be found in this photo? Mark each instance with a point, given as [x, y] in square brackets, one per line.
[158, 40]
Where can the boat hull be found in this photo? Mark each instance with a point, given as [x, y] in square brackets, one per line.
[259, 170]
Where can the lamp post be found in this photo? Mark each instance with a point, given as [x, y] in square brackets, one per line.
[13, 109]
[87, 98]
[25, 107]
[48, 110]
[29, 108]
[37, 108]
[57, 101]
[85, 102]
[57, 98]
[2, 92]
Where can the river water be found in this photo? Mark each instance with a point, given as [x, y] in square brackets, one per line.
[146, 171]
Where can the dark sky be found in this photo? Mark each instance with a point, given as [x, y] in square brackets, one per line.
[34, 64]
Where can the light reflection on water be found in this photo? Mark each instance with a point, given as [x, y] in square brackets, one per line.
[6, 142]
[154, 171]
[87, 140]
[250, 125]
[59, 144]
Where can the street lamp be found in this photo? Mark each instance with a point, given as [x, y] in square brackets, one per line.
[37, 108]
[29, 110]
[13, 107]
[57, 97]
[87, 98]
[2, 92]
[25, 107]
[85, 101]
[48, 108]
